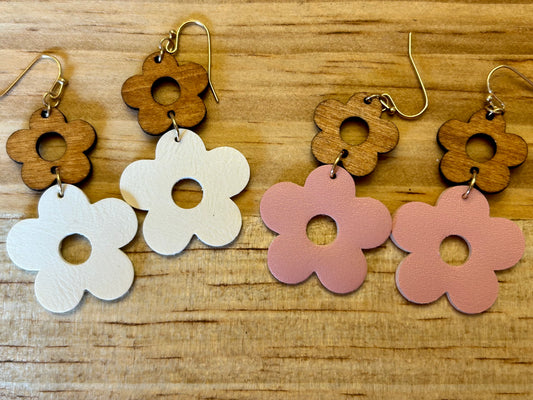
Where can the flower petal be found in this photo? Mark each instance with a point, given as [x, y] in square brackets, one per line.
[492, 177]
[37, 174]
[219, 222]
[411, 224]
[115, 220]
[85, 135]
[30, 245]
[136, 182]
[364, 222]
[166, 234]
[451, 135]
[59, 287]
[73, 206]
[515, 152]
[154, 120]
[18, 146]
[474, 293]
[341, 271]
[133, 91]
[281, 202]
[420, 278]
[502, 244]
[229, 169]
[108, 274]
[288, 260]
[179, 154]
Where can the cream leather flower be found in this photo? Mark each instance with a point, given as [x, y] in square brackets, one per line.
[34, 245]
[147, 185]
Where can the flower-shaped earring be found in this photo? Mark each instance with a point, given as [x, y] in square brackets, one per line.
[494, 243]
[362, 223]
[188, 110]
[64, 211]
[180, 154]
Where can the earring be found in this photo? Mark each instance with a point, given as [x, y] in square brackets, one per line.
[35, 244]
[362, 223]
[494, 243]
[180, 154]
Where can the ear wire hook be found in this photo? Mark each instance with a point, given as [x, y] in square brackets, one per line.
[171, 44]
[494, 104]
[387, 101]
[52, 97]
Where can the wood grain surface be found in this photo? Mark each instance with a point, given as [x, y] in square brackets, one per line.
[213, 323]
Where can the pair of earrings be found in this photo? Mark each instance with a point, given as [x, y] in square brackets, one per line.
[417, 228]
[110, 224]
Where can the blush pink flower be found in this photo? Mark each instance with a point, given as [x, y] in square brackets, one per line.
[362, 223]
[494, 243]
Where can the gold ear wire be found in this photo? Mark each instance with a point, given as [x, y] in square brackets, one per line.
[494, 104]
[171, 42]
[387, 101]
[52, 97]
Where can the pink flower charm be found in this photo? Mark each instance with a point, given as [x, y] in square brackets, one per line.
[362, 223]
[494, 243]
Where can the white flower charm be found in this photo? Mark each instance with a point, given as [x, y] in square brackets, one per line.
[34, 245]
[222, 173]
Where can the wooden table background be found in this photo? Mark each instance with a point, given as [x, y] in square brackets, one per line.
[213, 323]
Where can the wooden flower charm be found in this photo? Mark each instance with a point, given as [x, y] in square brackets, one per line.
[362, 158]
[493, 175]
[74, 165]
[188, 109]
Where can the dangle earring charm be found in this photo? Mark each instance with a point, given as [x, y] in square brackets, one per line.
[35, 244]
[362, 223]
[494, 243]
[181, 154]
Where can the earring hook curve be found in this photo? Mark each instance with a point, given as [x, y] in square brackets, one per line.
[498, 106]
[171, 44]
[388, 102]
[52, 97]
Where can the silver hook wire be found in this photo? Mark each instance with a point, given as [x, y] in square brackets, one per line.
[494, 104]
[388, 102]
[171, 44]
[52, 97]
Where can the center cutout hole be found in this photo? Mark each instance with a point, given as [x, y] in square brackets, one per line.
[354, 130]
[75, 249]
[481, 147]
[51, 146]
[166, 91]
[321, 230]
[454, 250]
[187, 193]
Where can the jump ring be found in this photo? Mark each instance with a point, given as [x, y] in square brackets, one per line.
[342, 154]
[175, 124]
[471, 184]
[59, 184]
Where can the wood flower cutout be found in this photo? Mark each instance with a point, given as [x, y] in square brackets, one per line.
[362, 158]
[188, 109]
[74, 165]
[493, 175]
